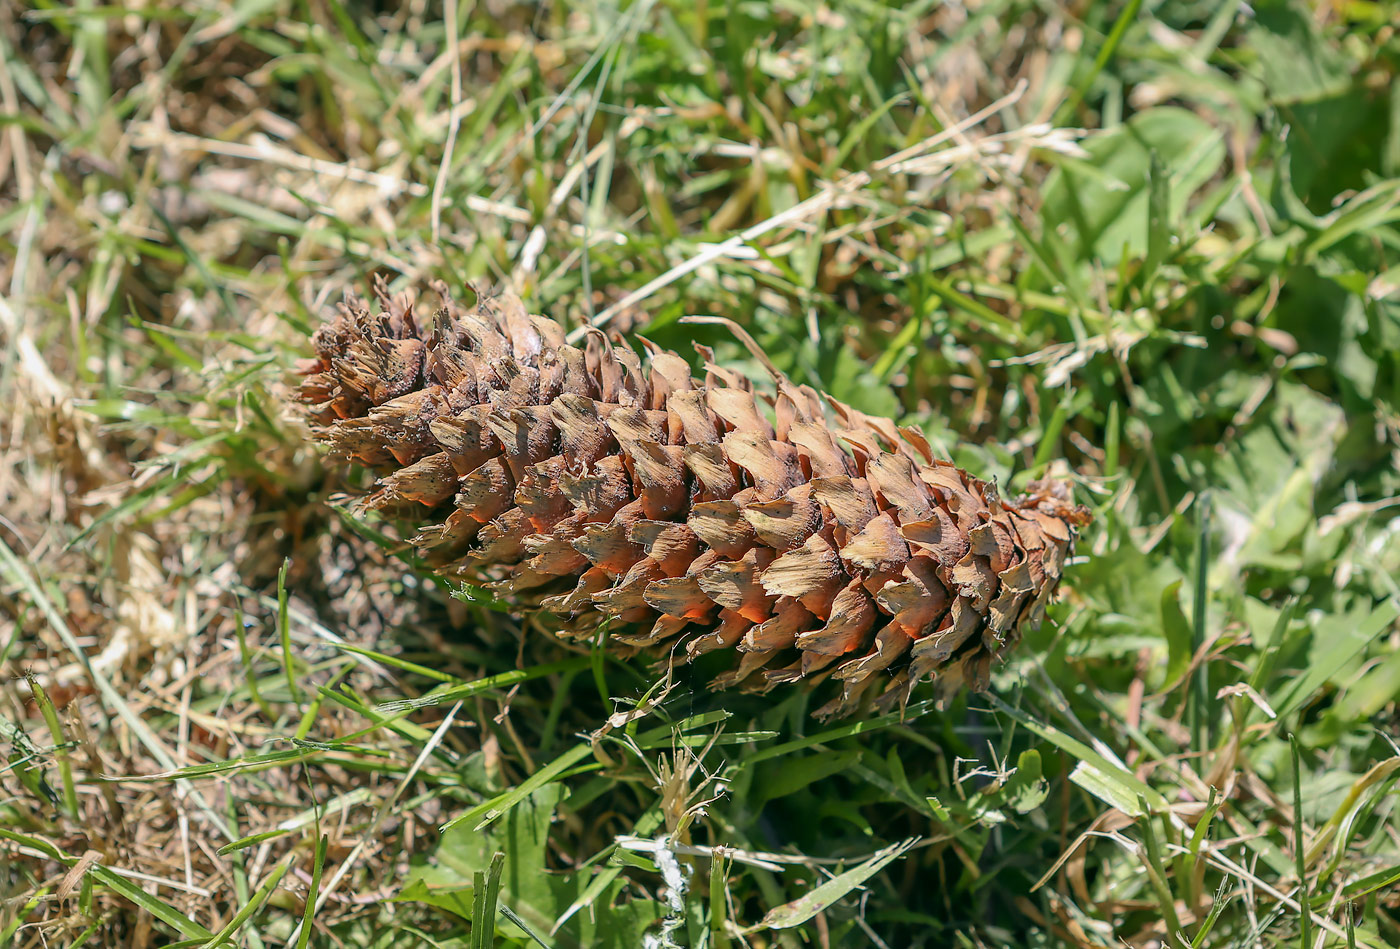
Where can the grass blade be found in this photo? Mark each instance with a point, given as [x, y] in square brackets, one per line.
[820, 897]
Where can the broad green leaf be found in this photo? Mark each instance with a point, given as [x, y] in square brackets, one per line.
[795, 773]
[1337, 640]
[1110, 206]
[1297, 64]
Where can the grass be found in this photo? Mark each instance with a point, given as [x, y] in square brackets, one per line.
[1163, 259]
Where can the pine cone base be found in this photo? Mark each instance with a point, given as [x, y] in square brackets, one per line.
[684, 515]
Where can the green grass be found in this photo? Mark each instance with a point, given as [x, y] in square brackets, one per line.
[1164, 261]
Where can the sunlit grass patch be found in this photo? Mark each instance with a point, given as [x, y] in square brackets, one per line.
[1161, 259]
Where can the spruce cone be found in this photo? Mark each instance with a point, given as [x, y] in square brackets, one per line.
[612, 489]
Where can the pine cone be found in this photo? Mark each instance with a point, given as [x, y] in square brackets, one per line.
[608, 488]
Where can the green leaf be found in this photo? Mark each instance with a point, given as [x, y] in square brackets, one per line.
[1297, 64]
[795, 773]
[535, 898]
[1159, 196]
[249, 910]
[1026, 789]
[1365, 886]
[1107, 781]
[486, 890]
[819, 898]
[1337, 640]
[1177, 631]
[1108, 197]
[1108, 786]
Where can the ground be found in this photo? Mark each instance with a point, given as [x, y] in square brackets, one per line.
[1151, 247]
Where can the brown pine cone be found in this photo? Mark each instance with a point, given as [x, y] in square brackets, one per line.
[689, 515]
